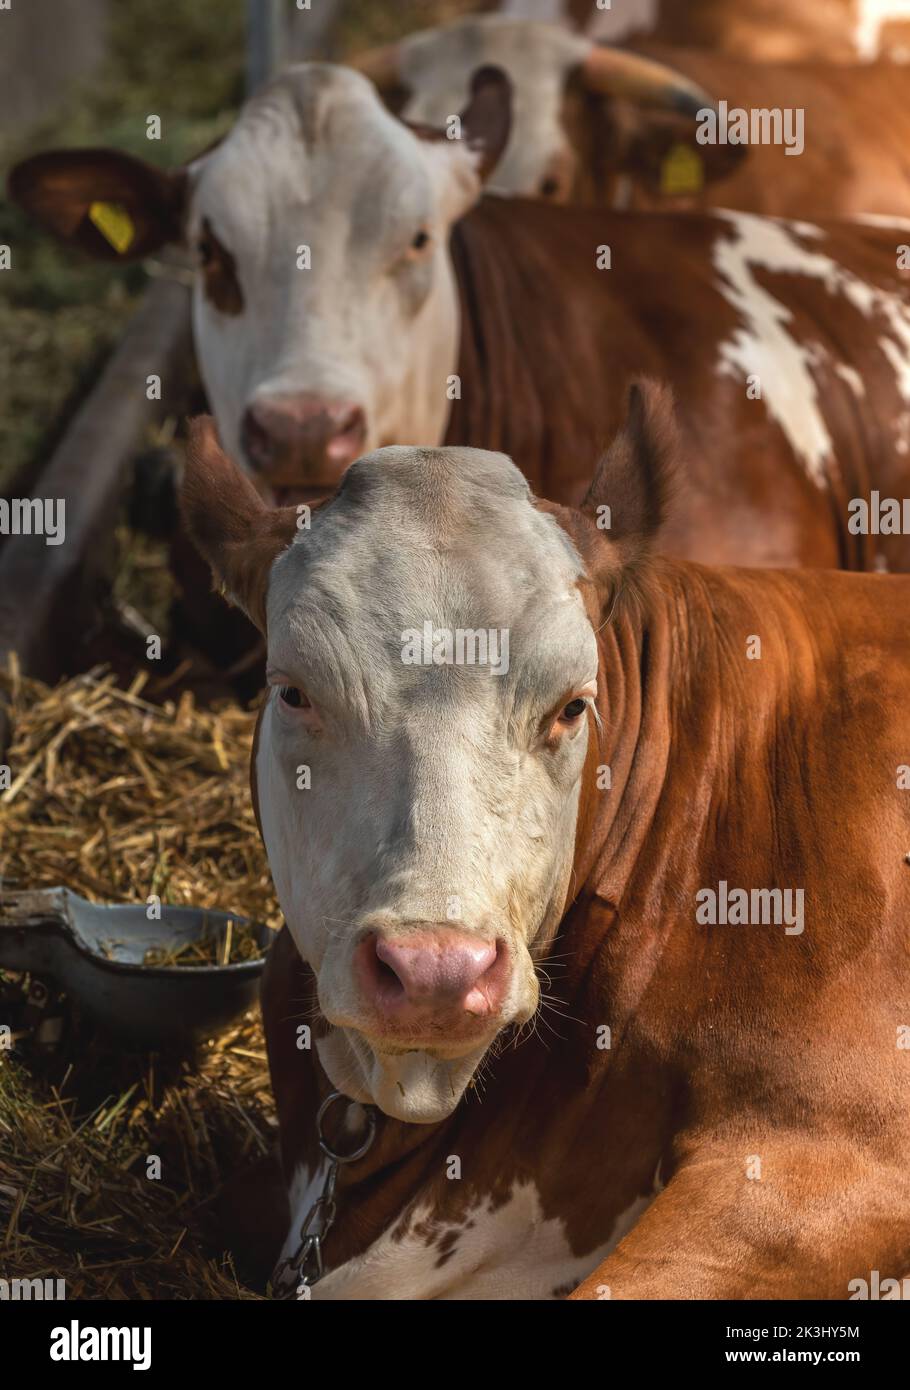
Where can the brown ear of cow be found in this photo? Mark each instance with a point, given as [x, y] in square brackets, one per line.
[486, 121]
[660, 150]
[633, 483]
[111, 205]
[229, 523]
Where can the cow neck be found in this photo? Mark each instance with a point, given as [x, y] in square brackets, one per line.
[689, 723]
[627, 758]
[522, 392]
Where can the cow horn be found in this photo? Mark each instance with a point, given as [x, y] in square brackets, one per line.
[614, 72]
[381, 65]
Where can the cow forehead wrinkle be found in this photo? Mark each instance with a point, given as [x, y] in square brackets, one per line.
[404, 543]
[347, 655]
[273, 151]
[452, 529]
[438, 496]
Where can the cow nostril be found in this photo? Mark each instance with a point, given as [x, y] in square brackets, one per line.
[386, 975]
[433, 967]
[381, 978]
[255, 439]
[349, 433]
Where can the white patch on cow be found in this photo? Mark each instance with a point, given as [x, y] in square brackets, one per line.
[606, 25]
[872, 16]
[305, 1188]
[897, 356]
[902, 432]
[883, 219]
[765, 346]
[543, 11]
[510, 1252]
[619, 22]
[852, 377]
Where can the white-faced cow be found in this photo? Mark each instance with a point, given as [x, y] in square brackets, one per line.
[585, 117]
[594, 124]
[546, 768]
[351, 295]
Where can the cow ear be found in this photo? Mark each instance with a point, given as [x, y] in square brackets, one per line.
[633, 483]
[111, 205]
[485, 123]
[660, 151]
[229, 523]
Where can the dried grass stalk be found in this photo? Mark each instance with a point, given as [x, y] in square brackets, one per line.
[118, 798]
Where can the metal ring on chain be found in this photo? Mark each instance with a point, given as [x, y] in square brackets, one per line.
[323, 1143]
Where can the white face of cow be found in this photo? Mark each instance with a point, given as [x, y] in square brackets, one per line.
[569, 140]
[540, 159]
[418, 788]
[325, 308]
[327, 301]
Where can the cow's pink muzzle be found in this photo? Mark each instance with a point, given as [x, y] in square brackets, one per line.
[435, 982]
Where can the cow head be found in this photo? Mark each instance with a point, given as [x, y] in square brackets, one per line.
[433, 682]
[586, 116]
[325, 307]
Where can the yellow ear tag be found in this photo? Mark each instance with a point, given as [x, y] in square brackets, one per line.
[114, 223]
[682, 171]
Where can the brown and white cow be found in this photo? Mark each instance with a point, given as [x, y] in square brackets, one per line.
[788, 343]
[765, 31]
[612, 933]
[840, 149]
[585, 118]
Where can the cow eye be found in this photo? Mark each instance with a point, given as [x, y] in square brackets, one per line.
[293, 696]
[206, 251]
[574, 710]
[421, 239]
[549, 187]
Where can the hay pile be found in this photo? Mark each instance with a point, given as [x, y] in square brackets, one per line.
[118, 798]
[76, 1198]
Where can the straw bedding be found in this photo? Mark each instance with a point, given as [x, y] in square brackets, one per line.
[119, 798]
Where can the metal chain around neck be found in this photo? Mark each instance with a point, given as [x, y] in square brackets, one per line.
[296, 1275]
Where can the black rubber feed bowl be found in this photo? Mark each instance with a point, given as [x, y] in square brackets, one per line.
[95, 953]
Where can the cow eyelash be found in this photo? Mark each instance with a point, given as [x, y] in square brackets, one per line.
[574, 709]
[293, 697]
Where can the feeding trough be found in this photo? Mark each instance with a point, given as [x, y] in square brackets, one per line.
[133, 975]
